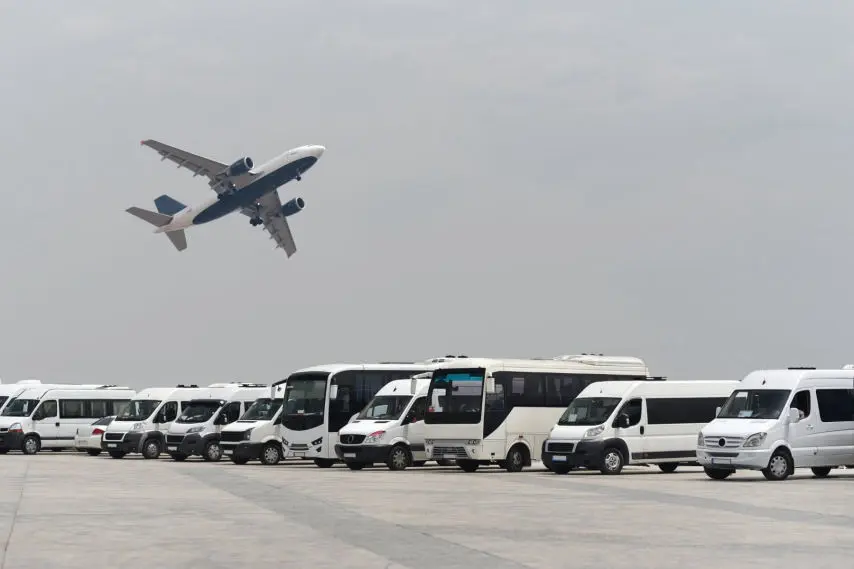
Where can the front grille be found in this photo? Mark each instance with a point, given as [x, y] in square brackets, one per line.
[728, 442]
[450, 452]
[721, 454]
[4, 429]
[232, 436]
[174, 439]
[113, 436]
[299, 447]
[560, 447]
[351, 439]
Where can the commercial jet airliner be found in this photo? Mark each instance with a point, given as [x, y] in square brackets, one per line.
[239, 187]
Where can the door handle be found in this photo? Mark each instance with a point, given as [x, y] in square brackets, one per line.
[641, 429]
[810, 427]
[57, 423]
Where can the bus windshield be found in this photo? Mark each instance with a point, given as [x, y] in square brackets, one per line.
[385, 407]
[305, 399]
[755, 404]
[589, 411]
[20, 407]
[138, 410]
[262, 410]
[455, 396]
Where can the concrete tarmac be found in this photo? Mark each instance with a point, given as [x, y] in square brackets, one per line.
[69, 510]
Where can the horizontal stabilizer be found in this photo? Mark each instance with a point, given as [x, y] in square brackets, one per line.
[178, 239]
[154, 218]
[167, 205]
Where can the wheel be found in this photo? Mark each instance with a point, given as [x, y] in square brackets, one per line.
[178, 457]
[445, 462]
[323, 462]
[612, 461]
[117, 454]
[240, 460]
[355, 465]
[515, 459]
[668, 467]
[213, 452]
[821, 471]
[780, 465]
[560, 468]
[31, 444]
[93, 452]
[717, 473]
[467, 465]
[151, 449]
[271, 454]
[399, 458]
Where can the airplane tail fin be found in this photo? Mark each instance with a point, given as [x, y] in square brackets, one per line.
[178, 239]
[167, 205]
[156, 219]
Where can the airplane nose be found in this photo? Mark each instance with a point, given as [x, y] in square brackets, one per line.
[319, 150]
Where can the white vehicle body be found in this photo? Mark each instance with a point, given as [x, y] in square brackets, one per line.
[255, 435]
[9, 391]
[612, 424]
[48, 417]
[779, 420]
[485, 411]
[319, 400]
[88, 437]
[196, 432]
[390, 429]
[142, 427]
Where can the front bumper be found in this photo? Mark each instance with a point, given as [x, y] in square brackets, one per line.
[11, 440]
[584, 454]
[242, 450]
[130, 443]
[192, 444]
[366, 454]
[747, 459]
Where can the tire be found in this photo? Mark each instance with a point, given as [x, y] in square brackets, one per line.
[780, 466]
[668, 467]
[467, 465]
[93, 452]
[821, 471]
[178, 457]
[213, 452]
[271, 454]
[355, 465]
[444, 462]
[324, 462]
[151, 449]
[717, 473]
[241, 460]
[117, 454]
[398, 457]
[515, 461]
[31, 444]
[612, 461]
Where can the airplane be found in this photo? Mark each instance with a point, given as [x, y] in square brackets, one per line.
[239, 187]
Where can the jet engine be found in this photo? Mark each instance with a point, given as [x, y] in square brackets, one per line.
[240, 167]
[293, 206]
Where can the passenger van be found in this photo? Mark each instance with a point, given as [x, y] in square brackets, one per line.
[612, 424]
[48, 417]
[142, 426]
[779, 420]
[255, 434]
[8, 391]
[197, 430]
[390, 429]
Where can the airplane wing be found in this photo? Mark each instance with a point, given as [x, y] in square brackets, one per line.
[199, 165]
[275, 223]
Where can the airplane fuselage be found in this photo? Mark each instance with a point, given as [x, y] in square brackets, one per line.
[268, 178]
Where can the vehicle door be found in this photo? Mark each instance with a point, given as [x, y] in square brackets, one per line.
[804, 436]
[168, 413]
[227, 415]
[413, 428]
[629, 426]
[834, 426]
[46, 423]
[72, 413]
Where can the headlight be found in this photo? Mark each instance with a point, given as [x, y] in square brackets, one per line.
[374, 437]
[284, 442]
[594, 432]
[755, 440]
[136, 427]
[16, 427]
[248, 433]
[473, 442]
[198, 429]
[701, 441]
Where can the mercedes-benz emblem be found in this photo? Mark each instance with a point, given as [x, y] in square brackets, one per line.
[722, 442]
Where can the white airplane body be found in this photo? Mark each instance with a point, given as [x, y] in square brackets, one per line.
[239, 187]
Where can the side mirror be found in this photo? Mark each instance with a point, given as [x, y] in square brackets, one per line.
[623, 421]
[490, 384]
[333, 391]
[794, 415]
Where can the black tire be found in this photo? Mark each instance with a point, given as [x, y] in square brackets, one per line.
[780, 466]
[444, 462]
[821, 471]
[612, 461]
[467, 465]
[151, 449]
[515, 461]
[117, 454]
[93, 452]
[324, 462]
[668, 467]
[399, 457]
[178, 457]
[31, 445]
[717, 473]
[239, 460]
[271, 454]
[355, 465]
[212, 452]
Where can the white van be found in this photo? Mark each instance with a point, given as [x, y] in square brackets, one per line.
[141, 427]
[390, 429]
[8, 391]
[48, 417]
[779, 420]
[612, 424]
[197, 430]
[255, 435]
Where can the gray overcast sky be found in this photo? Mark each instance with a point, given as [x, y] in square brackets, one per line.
[668, 180]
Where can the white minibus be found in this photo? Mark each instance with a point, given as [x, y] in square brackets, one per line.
[256, 432]
[48, 417]
[612, 424]
[778, 420]
[487, 411]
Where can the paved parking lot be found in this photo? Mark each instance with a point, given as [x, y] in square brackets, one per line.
[74, 511]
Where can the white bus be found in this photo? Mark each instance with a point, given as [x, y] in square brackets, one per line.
[320, 400]
[487, 411]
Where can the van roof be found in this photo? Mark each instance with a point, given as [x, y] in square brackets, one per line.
[66, 390]
[791, 377]
[584, 363]
[659, 388]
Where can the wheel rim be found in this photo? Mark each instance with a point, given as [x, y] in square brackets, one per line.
[516, 459]
[612, 461]
[270, 454]
[399, 458]
[31, 446]
[779, 466]
[214, 451]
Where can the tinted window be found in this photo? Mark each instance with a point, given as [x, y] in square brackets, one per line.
[835, 405]
[633, 409]
[355, 390]
[47, 410]
[418, 410]
[169, 412]
[802, 402]
[669, 411]
[71, 409]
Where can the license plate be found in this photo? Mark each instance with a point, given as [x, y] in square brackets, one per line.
[559, 458]
[449, 456]
[111, 445]
[172, 448]
[227, 451]
[299, 454]
[349, 455]
[721, 461]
